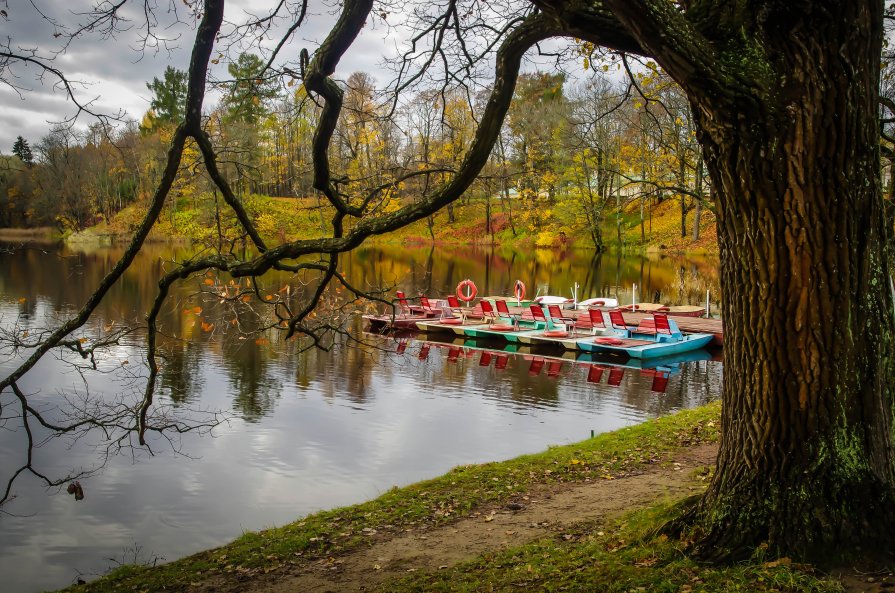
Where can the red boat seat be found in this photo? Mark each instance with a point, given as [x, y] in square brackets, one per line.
[593, 320]
[657, 324]
[617, 319]
[502, 309]
[537, 313]
[556, 315]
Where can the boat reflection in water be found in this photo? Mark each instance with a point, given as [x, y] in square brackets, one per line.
[592, 366]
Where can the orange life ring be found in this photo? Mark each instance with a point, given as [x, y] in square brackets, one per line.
[501, 327]
[470, 293]
[609, 341]
[519, 290]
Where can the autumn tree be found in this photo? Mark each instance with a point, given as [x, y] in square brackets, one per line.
[679, 171]
[422, 125]
[537, 122]
[594, 143]
[453, 134]
[16, 191]
[301, 115]
[358, 130]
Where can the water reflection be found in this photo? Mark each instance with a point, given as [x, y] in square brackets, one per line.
[667, 279]
[311, 429]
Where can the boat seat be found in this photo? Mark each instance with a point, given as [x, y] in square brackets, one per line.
[503, 312]
[659, 325]
[617, 320]
[537, 313]
[593, 321]
[487, 310]
[557, 317]
[404, 305]
[453, 306]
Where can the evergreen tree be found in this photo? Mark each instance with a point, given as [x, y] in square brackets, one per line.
[23, 151]
[246, 97]
[169, 96]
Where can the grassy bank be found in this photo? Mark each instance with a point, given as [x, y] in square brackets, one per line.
[622, 550]
[283, 219]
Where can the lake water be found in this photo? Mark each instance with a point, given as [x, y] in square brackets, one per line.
[304, 431]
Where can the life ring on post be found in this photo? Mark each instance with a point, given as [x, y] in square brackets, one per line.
[519, 290]
[470, 292]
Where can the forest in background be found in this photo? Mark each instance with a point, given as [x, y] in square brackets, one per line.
[594, 162]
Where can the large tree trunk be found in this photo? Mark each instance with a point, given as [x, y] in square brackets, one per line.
[806, 459]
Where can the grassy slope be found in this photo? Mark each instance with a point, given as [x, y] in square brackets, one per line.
[626, 558]
[280, 219]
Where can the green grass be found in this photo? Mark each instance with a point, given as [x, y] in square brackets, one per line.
[628, 556]
[432, 502]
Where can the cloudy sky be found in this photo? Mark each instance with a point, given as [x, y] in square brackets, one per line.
[112, 71]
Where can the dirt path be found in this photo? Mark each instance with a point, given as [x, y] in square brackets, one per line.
[543, 513]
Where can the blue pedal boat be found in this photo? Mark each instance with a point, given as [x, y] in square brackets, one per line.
[655, 336]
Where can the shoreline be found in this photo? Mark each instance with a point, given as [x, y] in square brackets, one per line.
[491, 523]
[88, 237]
[464, 492]
[584, 516]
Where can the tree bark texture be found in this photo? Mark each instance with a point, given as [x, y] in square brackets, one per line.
[806, 460]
